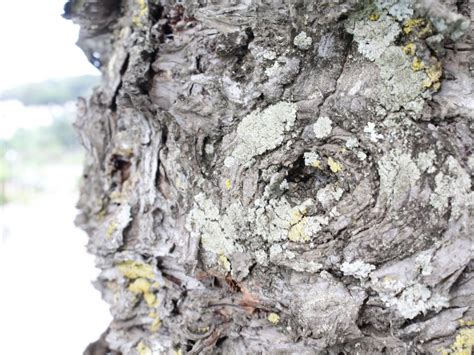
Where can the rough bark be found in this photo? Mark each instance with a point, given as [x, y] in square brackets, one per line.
[287, 177]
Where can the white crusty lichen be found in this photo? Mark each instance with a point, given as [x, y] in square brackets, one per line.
[358, 269]
[323, 127]
[398, 175]
[273, 70]
[269, 55]
[361, 155]
[376, 29]
[370, 130]
[455, 187]
[400, 9]
[423, 261]
[328, 194]
[372, 37]
[303, 41]
[400, 285]
[417, 299]
[352, 143]
[400, 86]
[312, 159]
[425, 161]
[261, 131]
[271, 219]
[217, 231]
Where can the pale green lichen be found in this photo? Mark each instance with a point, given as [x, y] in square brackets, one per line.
[358, 269]
[217, 231]
[398, 175]
[400, 286]
[404, 78]
[400, 9]
[455, 187]
[261, 131]
[425, 161]
[303, 41]
[272, 219]
[450, 24]
[410, 300]
[372, 37]
[413, 301]
[401, 85]
[423, 261]
[323, 127]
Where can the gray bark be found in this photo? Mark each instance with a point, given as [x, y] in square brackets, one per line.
[287, 177]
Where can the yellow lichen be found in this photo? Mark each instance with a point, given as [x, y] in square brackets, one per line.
[417, 64]
[426, 31]
[142, 349]
[434, 73]
[316, 164]
[156, 324]
[412, 23]
[273, 318]
[224, 262]
[334, 165]
[295, 215]
[374, 16]
[409, 49]
[139, 285]
[178, 352]
[133, 269]
[142, 5]
[101, 214]
[228, 184]
[463, 343]
[203, 330]
[151, 299]
[142, 286]
[297, 232]
[112, 227]
[298, 221]
[466, 323]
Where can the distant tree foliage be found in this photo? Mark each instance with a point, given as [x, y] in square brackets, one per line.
[57, 91]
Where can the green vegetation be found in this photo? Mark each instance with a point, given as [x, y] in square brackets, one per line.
[26, 156]
[50, 92]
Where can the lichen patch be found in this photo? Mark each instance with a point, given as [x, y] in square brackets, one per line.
[261, 131]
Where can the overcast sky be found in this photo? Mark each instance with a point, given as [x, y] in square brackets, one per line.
[37, 43]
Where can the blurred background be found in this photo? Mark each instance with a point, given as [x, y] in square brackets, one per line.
[47, 302]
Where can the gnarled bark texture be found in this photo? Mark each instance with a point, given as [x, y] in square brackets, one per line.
[288, 177]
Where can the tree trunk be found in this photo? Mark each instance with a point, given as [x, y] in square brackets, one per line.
[288, 177]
